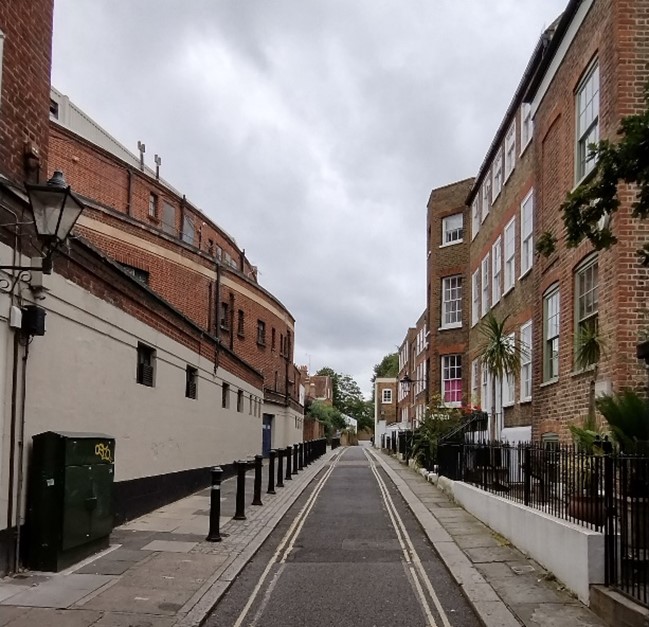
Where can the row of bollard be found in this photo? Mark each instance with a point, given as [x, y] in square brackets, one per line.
[297, 457]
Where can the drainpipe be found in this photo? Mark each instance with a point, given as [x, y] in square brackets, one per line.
[231, 321]
[12, 437]
[21, 456]
[217, 305]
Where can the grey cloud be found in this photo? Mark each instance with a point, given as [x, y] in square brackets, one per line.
[311, 131]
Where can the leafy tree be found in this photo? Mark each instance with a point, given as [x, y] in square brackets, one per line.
[327, 415]
[388, 367]
[586, 209]
[499, 355]
[348, 398]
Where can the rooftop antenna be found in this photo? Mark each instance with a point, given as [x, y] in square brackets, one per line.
[142, 148]
[158, 163]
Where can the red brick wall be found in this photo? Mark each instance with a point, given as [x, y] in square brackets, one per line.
[98, 175]
[617, 34]
[25, 98]
[444, 262]
[89, 271]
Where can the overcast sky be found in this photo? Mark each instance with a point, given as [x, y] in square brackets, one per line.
[311, 130]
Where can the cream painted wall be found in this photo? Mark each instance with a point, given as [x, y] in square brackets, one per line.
[287, 426]
[81, 377]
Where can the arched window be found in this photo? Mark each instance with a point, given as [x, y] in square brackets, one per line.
[551, 319]
[586, 313]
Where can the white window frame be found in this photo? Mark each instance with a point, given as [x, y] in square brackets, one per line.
[509, 380]
[475, 382]
[451, 287]
[484, 281]
[486, 196]
[486, 390]
[510, 150]
[586, 300]
[509, 278]
[497, 175]
[447, 232]
[475, 216]
[551, 334]
[587, 121]
[526, 362]
[475, 297]
[496, 271]
[450, 366]
[527, 126]
[386, 396]
[527, 233]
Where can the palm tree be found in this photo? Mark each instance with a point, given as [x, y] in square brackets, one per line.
[589, 350]
[499, 355]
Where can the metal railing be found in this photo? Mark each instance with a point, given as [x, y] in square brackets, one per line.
[602, 490]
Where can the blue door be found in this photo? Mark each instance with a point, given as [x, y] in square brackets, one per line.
[266, 432]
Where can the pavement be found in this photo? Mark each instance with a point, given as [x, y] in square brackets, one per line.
[159, 570]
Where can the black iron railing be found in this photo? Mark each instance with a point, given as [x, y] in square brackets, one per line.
[601, 490]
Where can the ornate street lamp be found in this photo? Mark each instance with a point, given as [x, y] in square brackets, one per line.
[56, 210]
[406, 382]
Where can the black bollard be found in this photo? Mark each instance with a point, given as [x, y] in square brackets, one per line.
[256, 499]
[240, 514]
[271, 472]
[280, 468]
[288, 463]
[300, 455]
[295, 468]
[214, 535]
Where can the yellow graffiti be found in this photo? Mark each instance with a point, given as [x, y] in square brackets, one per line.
[104, 453]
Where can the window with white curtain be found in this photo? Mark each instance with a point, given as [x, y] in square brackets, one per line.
[526, 361]
[475, 298]
[551, 316]
[496, 270]
[527, 232]
[484, 277]
[510, 256]
[587, 121]
[510, 150]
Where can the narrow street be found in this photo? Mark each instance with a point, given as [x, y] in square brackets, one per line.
[348, 553]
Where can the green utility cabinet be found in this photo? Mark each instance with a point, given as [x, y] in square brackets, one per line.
[70, 502]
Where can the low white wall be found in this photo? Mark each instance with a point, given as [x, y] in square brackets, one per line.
[574, 554]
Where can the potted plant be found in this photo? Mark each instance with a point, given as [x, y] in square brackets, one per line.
[627, 414]
[583, 472]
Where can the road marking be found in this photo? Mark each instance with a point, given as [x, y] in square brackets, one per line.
[287, 540]
[411, 555]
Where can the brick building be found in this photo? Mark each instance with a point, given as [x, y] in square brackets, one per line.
[153, 231]
[157, 354]
[447, 270]
[587, 72]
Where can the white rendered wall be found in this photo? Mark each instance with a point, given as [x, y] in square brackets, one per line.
[574, 554]
[81, 376]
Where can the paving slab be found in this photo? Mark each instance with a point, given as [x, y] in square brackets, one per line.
[169, 546]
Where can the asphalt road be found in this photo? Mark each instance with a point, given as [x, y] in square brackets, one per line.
[348, 554]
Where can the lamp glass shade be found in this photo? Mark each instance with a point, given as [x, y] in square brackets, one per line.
[405, 385]
[55, 208]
